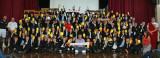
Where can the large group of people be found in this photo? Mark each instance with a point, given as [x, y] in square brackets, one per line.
[120, 33]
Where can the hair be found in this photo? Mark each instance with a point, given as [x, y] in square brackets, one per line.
[146, 33]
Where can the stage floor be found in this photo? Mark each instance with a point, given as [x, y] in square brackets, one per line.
[69, 55]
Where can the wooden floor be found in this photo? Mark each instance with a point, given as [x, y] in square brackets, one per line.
[5, 51]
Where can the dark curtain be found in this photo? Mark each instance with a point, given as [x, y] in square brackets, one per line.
[15, 8]
[142, 10]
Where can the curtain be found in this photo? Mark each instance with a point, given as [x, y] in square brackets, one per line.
[15, 8]
[142, 10]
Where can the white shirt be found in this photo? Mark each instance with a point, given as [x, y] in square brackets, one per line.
[12, 25]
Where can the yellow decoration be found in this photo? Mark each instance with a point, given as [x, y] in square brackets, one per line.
[80, 26]
[42, 15]
[51, 34]
[15, 30]
[57, 27]
[84, 34]
[42, 35]
[128, 13]
[25, 15]
[20, 21]
[26, 19]
[55, 16]
[20, 26]
[95, 32]
[103, 9]
[85, 17]
[36, 31]
[61, 33]
[119, 32]
[63, 22]
[29, 18]
[107, 30]
[33, 19]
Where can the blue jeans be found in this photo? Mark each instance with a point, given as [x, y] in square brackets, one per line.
[80, 49]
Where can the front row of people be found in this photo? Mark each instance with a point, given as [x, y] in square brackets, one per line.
[62, 44]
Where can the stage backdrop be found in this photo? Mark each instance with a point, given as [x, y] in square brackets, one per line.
[142, 10]
[68, 4]
[15, 8]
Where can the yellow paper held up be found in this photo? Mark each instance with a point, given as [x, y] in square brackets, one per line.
[130, 41]
[84, 34]
[20, 26]
[116, 13]
[77, 26]
[69, 41]
[33, 37]
[43, 28]
[57, 27]
[42, 35]
[26, 32]
[48, 33]
[104, 13]
[55, 16]
[110, 39]
[29, 18]
[64, 27]
[51, 35]
[80, 26]
[104, 38]
[85, 17]
[119, 28]
[72, 27]
[28, 28]
[74, 19]
[122, 15]
[100, 28]
[71, 35]
[33, 19]
[87, 46]
[15, 30]
[103, 9]
[49, 30]
[114, 16]
[119, 32]
[111, 31]
[126, 31]
[126, 24]
[25, 15]
[63, 22]
[107, 30]
[61, 33]
[82, 23]
[96, 16]
[139, 41]
[20, 21]
[20, 32]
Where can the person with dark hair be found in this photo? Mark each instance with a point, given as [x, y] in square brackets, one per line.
[137, 46]
[146, 43]
[3, 26]
[14, 45]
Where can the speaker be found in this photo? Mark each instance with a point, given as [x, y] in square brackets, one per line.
[154, 2]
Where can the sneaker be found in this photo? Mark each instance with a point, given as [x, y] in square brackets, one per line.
[83, 51]
[3, 45]
[76, 51]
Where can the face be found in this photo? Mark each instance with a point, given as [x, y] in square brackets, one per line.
[5, 17]
[12, 19]
[79, 37]
[153, 20]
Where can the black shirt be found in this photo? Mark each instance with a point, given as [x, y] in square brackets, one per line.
[3, 24]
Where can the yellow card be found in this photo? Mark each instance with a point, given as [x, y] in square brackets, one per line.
[77, 26]
[29, 18]
[104, 38]
[122, 15]
[96, 16]
[49, 30]
[51, 34]
[107, 30]
[20, 32]
[36, 31]
[87, 46]
[42, 35]
[85, 17]
[126, 24]
[110, 39]
[61, 33]
[104, 13]
[26, 19]
[114, 16]
[28, 28]
[33, 37]
[69, 41]
[119, 32]
[26, 32]
[116, 13]
[71, 35]
[15, 30]
[139, 41]
[103, 9]
[20, 26]
[63, 22]
[130, 41]
[20, 21]
[64, 27]
[84, 34]
[55, 16]
[126, 31]
[33, 19]
[43, 28]
[72, 27]
[100, 28]
[80, 26]
[57, 27]
[119, 28]
[82, 23]
[111, 31]
[74, 19]
[25, 15]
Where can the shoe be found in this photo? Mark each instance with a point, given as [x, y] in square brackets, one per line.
[76, 51]
[83, 51]
[3, 45]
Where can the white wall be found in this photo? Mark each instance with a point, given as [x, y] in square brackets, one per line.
[68, 4]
